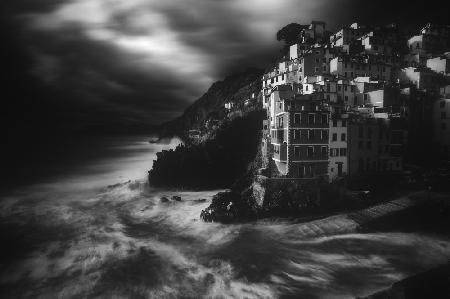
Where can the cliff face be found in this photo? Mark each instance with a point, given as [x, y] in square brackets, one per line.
[228, 140]
[215, 163]
[234, 88]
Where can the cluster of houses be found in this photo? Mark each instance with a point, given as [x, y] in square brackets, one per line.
[357, 101]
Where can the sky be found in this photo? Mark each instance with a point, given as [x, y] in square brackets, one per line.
[76, 65]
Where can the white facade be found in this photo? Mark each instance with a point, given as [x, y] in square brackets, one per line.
[421, 78]
[439, 65]
[338, 156]
[374, 98]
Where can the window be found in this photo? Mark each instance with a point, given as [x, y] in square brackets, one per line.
[442, 104]
[331, 152]
[301, 171]
[344, 123]
[310, 151]
[296, 134]
[443, 115]
[334, 123]
[339, 87]
[310, 134]
[365, 97]
[324, 119]
[297, 151]
[297, 118]
[334, 136]
[324, 68]
[343, 152]
[352, 88]
[324, 134]
[311, 119]
[346, 98]
[345, 87]
[323, 150]
[343, 137]
[280, 122]
[316, 69]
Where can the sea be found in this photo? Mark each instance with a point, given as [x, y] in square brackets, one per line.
[88, 225]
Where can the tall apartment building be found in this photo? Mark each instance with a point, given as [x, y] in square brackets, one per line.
[299, 136]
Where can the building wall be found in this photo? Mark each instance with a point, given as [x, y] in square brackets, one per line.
[369, 147]
[375, 98]
[441, 125]
[338, 152]
[439, 65]
[349, 69]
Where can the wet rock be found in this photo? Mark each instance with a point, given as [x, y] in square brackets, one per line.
[229, 207]
[176, 198]
[164, 199]
[201, 200]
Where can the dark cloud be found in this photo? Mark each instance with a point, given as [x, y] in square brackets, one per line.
[76, 64]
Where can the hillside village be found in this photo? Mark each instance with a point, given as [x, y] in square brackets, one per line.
[360, 113]
[360, 100]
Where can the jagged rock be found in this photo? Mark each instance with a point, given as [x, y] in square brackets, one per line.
[201, 200]
[164, 199]
[229, 207]
[176, 198]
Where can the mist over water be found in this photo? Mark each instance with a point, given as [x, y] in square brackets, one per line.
[99, 231]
